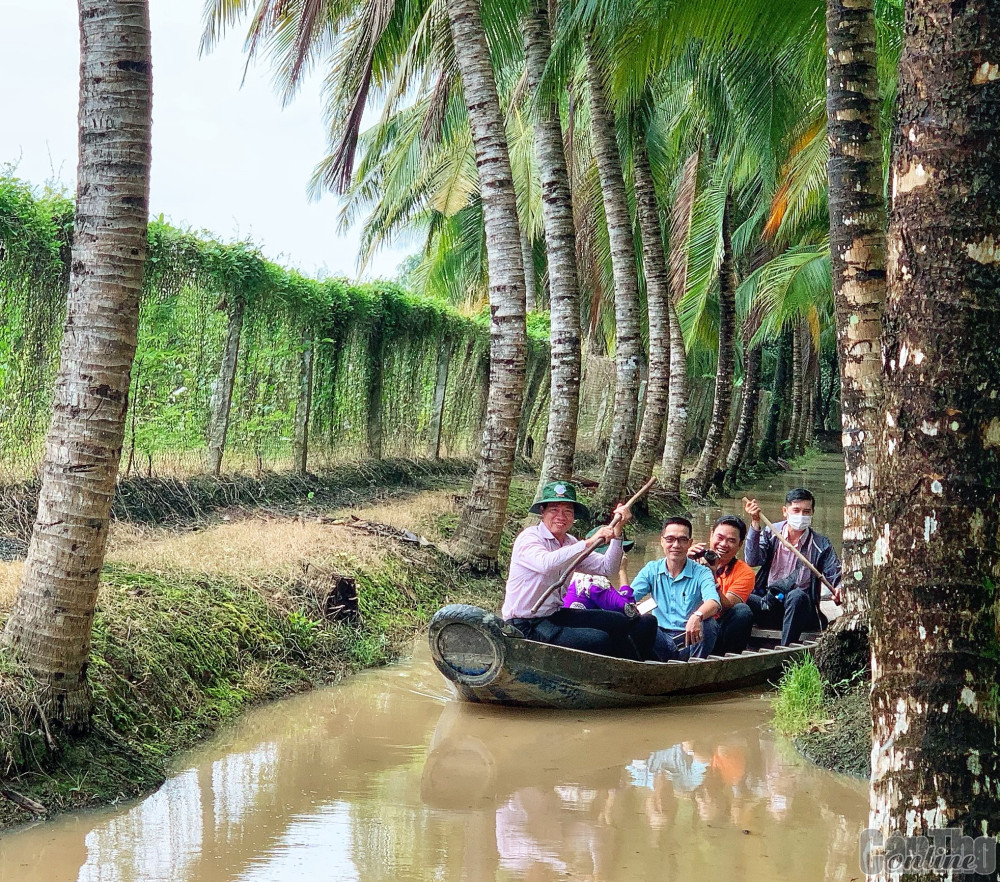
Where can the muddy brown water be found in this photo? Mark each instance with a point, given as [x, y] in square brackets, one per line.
[386, 777]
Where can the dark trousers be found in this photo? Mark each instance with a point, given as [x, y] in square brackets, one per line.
[604, 632]
[735, 625]
[795, 614]
[670, 644]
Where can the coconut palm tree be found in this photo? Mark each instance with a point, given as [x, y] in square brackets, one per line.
[628, 350]
[560, 242]
[857, 250]
[49, 628]
[477, 539]
[654, 267]
[386, 43]
[934, 611]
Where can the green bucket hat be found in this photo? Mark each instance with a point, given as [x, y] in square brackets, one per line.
[627, 544]
[560, 491]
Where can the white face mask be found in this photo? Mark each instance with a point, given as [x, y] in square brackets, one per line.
[799, 521]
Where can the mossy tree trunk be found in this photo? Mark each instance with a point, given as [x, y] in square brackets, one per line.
[303, 403]
[477, 539]
[560, 246]
[49, 628]
[222, 388]
[935, 614]
[628, 349]
[726, 366]
[857, 260]
[654, 267]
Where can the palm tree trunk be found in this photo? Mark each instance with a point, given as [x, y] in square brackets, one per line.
[768, 449]
[477, 539]
[628, 349]
[934, 612]
[303, 404]
[857, 255]
[654, 267]
[560, 245]
[222, 391]
[793, 427]
[705, 469]
[49, 629]
[677, 409]
[752, 357]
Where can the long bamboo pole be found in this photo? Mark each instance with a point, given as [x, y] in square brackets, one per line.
[590, 545]
[777, 535]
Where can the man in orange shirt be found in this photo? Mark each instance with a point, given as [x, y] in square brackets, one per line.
[733, 578]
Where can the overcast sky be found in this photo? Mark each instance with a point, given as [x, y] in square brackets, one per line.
[226, 158]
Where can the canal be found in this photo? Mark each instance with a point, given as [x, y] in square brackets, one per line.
[386, 777]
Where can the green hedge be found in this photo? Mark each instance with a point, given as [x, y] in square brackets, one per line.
[376, 351]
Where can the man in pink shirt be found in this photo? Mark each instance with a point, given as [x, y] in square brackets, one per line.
[540, 556]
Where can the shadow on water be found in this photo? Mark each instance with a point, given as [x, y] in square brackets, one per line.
[386, 777]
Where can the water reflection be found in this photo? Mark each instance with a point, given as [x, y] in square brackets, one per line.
[386, 778]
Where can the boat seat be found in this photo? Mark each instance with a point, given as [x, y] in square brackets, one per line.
[776, 635]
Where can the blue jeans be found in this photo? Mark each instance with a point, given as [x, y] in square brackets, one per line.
[604, 632]
[735, 625]
[794, 614]
[669, 645]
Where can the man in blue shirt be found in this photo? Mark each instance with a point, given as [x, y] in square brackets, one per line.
[685, 594]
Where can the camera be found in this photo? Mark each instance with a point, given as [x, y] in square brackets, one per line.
[709, 556]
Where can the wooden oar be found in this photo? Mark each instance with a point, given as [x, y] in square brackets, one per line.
[590, 545]
[777, 535]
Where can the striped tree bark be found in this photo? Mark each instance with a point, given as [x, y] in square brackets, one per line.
[681, 214]
[560, 246]
[49, 628]
[654, 267]
[857, 257]
[628, 348]
[935, 615]
[477, 539]
[705, 469]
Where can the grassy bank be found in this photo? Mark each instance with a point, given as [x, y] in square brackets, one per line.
[829, 724]
[197, 623]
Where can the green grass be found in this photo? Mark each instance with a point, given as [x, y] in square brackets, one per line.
[799, 702]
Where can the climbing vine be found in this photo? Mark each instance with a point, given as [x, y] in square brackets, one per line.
[375, 358]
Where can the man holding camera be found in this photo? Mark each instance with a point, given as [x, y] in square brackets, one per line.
[785, 590]
[685, 595]
[733, 579]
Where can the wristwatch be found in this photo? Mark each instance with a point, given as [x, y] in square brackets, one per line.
[697, 613]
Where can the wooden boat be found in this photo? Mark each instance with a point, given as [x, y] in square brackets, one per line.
[491, 662]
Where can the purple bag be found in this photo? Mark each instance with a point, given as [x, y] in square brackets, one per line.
[596, 592]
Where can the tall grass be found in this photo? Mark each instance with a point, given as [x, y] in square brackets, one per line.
[799, 702]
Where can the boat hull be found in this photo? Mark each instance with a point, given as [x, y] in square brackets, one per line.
[489, 662]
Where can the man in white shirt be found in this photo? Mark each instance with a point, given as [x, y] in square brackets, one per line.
[540, 556]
